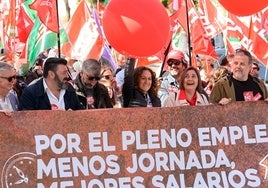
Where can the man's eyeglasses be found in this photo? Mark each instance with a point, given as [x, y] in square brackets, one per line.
[91, 78]
[173, 62]
[10, 79]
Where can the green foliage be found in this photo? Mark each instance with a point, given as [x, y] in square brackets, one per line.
[165, 2]
[196, 3]
[95, 1]
[104, 2]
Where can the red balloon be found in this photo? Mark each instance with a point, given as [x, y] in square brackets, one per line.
[136, 28]
[244, 7]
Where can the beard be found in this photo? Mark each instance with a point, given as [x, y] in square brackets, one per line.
[61, 84]
[88, 85]
[238, 75]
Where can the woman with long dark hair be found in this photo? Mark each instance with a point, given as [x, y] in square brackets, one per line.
[140, 87]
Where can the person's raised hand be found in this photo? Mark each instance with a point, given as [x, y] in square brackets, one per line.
[6, 112]
[225, 101]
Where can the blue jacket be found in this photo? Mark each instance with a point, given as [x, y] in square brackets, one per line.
[34, 98]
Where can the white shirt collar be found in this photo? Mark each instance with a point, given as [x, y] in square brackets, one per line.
[54, 101]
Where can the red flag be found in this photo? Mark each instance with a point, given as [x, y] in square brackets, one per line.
[249, 36]
[264, 22]
[153, 62]
[84, 38]
[259, 35]
[230, 48]
[144, 61]
[10, 31]
[47, 12]
[209, 17]
[181, 14]
[200, 41]
[24, 25]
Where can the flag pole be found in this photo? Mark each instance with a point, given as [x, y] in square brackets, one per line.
[58, 34]
[165, 56]
[58, 37]
[188, 33]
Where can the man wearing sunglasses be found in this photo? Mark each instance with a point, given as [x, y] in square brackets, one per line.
[176, 64]
[239, 85]
[8, 100]
[52, 91]
[91, 93]
[254, 72]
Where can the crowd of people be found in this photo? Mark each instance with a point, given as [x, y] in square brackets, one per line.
[53, 85]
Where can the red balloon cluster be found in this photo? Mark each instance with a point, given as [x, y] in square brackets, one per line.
[136, 28]
[244, 7]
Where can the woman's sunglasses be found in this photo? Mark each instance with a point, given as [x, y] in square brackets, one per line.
[10, 79]
[174, 62]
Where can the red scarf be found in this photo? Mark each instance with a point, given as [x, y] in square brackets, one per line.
[182, 96]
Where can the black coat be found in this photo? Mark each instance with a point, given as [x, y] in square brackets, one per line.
[131, 96]
[100, 94]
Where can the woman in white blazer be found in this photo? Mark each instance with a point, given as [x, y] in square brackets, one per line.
[190, 92]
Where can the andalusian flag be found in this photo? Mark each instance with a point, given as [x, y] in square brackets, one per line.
[85, 40]
[40, 39]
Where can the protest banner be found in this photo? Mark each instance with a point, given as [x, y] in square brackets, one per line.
[189, 146]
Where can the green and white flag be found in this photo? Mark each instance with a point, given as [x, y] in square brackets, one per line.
[39, 40]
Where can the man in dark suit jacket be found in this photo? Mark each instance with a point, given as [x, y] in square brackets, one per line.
[51, 92]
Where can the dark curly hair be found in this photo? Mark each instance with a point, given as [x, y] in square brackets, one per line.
[137, 74]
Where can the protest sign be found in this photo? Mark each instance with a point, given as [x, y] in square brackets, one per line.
[201, 146]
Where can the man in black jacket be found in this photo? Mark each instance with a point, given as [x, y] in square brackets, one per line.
[91, 93]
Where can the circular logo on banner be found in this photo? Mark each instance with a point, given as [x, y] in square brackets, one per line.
[19, 171]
